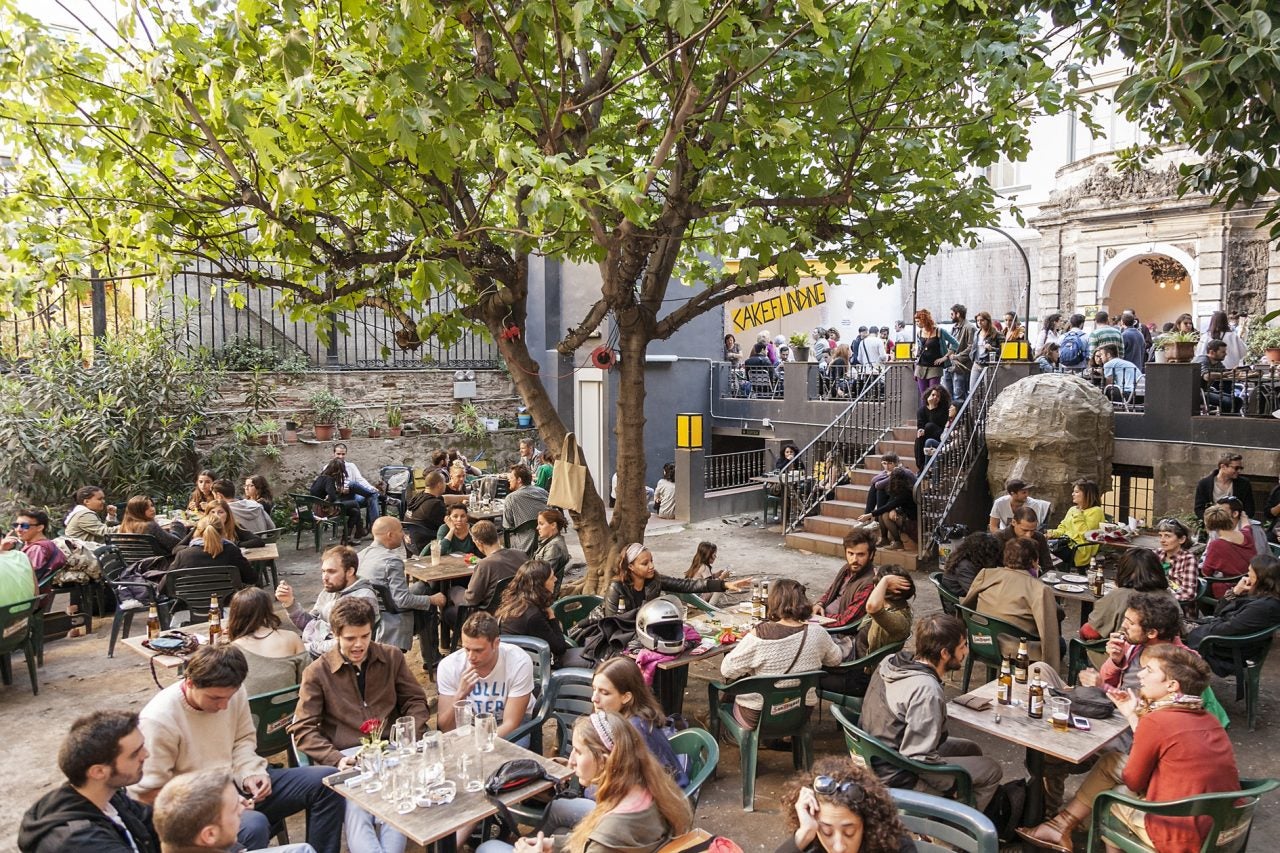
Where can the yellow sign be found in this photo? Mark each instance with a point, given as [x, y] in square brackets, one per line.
[688, 430]
[776, 307]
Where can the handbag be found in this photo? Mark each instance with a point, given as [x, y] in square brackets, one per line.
[568, 477]
[512, 775]
[1091, 702]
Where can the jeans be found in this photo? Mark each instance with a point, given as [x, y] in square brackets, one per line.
[368, 834]
[956, 380]
[564, 814]
[367, 498]
[294, 789]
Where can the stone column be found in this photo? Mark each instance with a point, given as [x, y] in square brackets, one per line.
[690, 485]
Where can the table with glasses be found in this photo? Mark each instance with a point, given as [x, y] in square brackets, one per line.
[446, 568]
[428, 788]
[1038, 736]
[672, 676]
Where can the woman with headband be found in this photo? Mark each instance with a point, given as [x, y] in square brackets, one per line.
[842, 807]
[638, 805]
[637, 581]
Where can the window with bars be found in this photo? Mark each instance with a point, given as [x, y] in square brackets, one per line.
[1131, 494]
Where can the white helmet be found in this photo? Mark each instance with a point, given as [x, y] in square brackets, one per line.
[660, 626]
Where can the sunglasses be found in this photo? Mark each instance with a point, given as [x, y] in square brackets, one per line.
[21, 525]
[829, 787]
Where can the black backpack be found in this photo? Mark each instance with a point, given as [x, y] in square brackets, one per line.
[1006, 809]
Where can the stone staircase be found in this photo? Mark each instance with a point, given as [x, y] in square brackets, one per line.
[824, 533]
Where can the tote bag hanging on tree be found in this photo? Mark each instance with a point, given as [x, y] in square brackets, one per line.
[568, 477]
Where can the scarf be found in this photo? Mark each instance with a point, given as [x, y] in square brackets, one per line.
[1180, 701]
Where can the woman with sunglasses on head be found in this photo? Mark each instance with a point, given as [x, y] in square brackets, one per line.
[637, 581]
[637, 804]
[1179, 563]
[842, 808]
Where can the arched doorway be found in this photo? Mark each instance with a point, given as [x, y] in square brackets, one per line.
[1148, 282]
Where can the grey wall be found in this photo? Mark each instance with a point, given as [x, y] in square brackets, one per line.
[990, 277]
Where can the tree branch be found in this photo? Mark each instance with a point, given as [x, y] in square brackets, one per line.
[579, 334]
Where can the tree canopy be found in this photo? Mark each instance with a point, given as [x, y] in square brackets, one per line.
[350, 151]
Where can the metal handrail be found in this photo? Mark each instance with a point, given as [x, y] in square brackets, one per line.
[841, 446]
[944, 473]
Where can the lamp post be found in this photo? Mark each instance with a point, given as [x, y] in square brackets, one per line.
[1026, 265]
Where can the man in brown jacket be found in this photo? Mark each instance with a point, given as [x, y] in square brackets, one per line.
[356, 681]
[1009, 592]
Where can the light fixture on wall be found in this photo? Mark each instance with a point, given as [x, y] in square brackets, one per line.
[1165, 271]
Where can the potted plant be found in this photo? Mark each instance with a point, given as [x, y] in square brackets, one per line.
[1179, 347]
[374, 430]
[524, 420]
[1264, 341]
[799, 345]
[290, 432]
[327, 407]
[344, 425]
[395, 421]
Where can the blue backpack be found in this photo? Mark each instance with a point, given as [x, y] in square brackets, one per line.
[1072, 350]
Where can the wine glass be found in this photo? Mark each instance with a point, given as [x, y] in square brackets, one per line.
[486, 729]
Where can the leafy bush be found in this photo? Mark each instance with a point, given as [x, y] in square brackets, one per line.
[128, 422]
[247, 354]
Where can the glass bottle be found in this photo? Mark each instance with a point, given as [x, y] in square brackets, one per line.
[1022, 663]
[215, 621]
[1035, 700]
[1004, 692]
[153, 622]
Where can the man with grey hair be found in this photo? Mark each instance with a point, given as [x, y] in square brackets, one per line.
[200, 811]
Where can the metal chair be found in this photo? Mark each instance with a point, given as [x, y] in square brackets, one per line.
[984, 633]
[17, 631]
[465, 610]
[1231, 812]
[136, 546]
[870, 749]
[272, 712]
[944, 824]
[571, 610]
[304, 507]
[783, 714]
[704, 755]
[1248, 653]
[396, 497]
[763, 382]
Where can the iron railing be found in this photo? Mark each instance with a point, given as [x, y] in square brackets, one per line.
[824, 463]
[732, 470]
[961, 446]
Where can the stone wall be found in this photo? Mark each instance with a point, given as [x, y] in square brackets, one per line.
[424, 396]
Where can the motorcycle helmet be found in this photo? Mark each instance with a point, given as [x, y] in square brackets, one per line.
[660, 626]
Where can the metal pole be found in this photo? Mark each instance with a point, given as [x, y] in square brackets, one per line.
[1026, 264]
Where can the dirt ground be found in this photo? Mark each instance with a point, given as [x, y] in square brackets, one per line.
[78, 677]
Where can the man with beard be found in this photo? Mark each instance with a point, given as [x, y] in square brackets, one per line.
[906, 708]
[200, 811]
[91, 813]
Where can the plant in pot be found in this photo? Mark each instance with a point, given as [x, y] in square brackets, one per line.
[345, 425]
[468, 422]
[327, 407]
[373, 429]
[799, 345]
[395, 421]
[1264, 345]
[290, 432]
[1179, 347]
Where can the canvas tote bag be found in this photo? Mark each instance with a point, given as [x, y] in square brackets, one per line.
[568, 476]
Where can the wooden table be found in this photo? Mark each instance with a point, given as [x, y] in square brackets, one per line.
[178, 662]
[672, 676]
[267, 556]
[1038, 736]
[437, 824]
[449, 568]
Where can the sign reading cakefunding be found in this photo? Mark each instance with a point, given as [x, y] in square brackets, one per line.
[774, 308]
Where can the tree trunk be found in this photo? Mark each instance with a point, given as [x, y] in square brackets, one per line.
[592, 523]
[631, 511]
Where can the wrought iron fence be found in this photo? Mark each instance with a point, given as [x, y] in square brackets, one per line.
[824, 463]
[732, 470]
[1242, 391]
[961, 446]
[206, 323]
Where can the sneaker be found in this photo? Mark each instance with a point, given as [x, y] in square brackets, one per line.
[892, 546]
[131, 604]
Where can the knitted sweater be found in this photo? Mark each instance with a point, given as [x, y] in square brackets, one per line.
[181, 739]
[756, 655]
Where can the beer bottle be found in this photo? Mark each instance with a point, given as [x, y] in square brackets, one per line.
[1035, 700]
[215, 621]
[153, 622]
[764, 599]
[1004, 692]
[1022, 663]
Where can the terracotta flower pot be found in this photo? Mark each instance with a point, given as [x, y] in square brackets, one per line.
[324, 432]
[394, 432]
[344, 433]
[374, 432]
[1273, 355]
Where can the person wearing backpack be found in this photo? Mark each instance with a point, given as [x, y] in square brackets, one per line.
[1073, 349]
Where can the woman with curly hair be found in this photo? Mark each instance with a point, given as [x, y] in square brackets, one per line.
[933, 344]
[842, 808]
[976, 552]
[637, 803]
[525, 611]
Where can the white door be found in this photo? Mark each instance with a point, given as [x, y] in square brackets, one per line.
[591, 425]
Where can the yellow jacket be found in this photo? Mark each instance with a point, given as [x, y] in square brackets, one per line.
[1075, 525]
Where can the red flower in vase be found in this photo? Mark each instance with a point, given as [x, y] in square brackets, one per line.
[371, 727]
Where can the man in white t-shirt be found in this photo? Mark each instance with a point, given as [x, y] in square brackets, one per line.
[1018, 495]
[366, 493]
[492, 676]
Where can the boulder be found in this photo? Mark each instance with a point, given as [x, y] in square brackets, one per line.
[1050, 430]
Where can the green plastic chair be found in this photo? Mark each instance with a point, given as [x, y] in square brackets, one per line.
[869, 662]
[695, 600]
[17, 631]
[540, 656]
[783, 714]
[944, 824]
[949, 600]
[1230, 818]
[571, 610]
[308, 520]
[984, 634]
[704, 755]
[1078, 655]
[1247, 668]
[870, 749]
[272, 712]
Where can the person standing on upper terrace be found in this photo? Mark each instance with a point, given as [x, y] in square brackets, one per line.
[1224, 482]
[1104, 333]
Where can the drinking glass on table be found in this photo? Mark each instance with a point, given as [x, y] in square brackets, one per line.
[461, 714]
[404, 733]
[486, 729]
[1060, 713]
[432, 766]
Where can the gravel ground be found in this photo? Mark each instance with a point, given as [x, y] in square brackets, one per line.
[78, 677]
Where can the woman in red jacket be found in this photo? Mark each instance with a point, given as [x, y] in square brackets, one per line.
[1179, 750]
